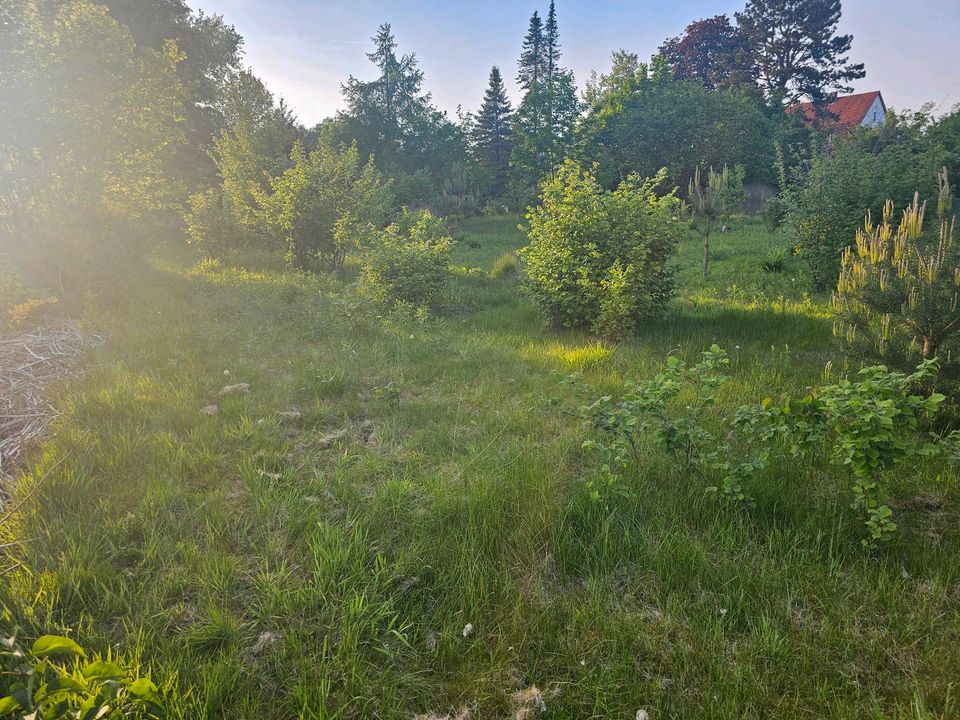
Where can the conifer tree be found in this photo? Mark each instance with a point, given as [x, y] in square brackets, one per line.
[543, 125]
[552, 42]
[533, 61]
[492, 133]
[796, 49]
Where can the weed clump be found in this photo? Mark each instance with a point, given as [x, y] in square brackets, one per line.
[505, 266]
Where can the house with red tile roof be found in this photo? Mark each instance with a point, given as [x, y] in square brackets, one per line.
[846, 112]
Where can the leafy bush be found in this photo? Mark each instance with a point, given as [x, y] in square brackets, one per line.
[50, 680]
[87, 156]
[773, 214]
[856, 175]
[408, 263]
[326, 202]
[871, 426]
[898, 289]
[641, 119]
[587, 242]
[868, 426]
[504, 266]
[210, 224]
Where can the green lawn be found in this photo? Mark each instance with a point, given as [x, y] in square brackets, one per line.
[325, 564]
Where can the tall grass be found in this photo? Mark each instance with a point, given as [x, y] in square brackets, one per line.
[316, 549]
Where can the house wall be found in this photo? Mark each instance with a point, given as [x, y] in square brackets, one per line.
[875, 114]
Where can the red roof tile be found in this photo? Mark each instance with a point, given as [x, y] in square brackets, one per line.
[843, 113]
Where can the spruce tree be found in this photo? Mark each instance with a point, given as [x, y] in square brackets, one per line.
[533, 60]
[543, 125]
[492, 133]
[552, 42]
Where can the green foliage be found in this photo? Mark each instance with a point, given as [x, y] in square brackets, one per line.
[641, 119]
[409, 262]
[504, 266]
[210, 224]
[88, 155]
[585, 240]
[492, 134]
[775, 262]
[255, 148]
[857, 174]
[212, 52]
[544, 123]
[869, 426]
[897, 296]
[325, 203]
[649, 409]
[393, 120]
[773, 214]
[617, 314]
[710, 201]
[50, 680]
[946, 133]
[543, 130]
[795, 50]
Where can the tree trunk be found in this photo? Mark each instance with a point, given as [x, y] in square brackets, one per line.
[929, 348]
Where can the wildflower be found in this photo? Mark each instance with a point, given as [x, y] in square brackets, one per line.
[467, 629]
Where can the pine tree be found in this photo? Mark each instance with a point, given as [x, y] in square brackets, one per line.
[492, 133]
[543, 125]
[552, 42]
[795, 49]
[533, 60]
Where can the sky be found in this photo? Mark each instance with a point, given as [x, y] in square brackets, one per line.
[305, 49]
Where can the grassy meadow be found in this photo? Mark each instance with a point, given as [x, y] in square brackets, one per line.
[393, 521]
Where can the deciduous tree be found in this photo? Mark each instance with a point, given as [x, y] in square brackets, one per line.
[712, 52]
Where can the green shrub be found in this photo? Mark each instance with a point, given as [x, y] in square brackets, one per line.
[504, 266]
[773, 214]
[856, 174]
[325, 203]
[408, 262]
[586, 242]
[210, 224]
[868, 426]
[897, 296]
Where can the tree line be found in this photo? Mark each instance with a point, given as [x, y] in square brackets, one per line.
[125, 114]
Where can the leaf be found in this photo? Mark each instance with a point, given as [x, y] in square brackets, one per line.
[8, 705]
[145, 690]
[56, 645]
[59, 684]
[101, 671]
